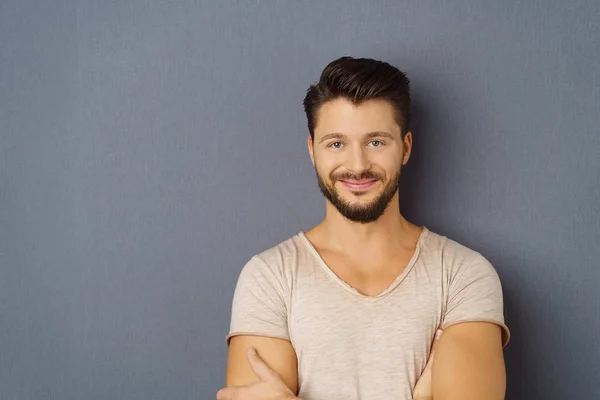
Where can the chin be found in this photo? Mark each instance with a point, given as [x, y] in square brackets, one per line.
[363, 197]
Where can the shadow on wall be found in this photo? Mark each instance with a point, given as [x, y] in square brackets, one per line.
[414, 173]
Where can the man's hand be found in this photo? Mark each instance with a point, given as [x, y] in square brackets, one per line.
[269, 387]
[424, 390]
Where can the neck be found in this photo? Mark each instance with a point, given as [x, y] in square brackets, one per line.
[390, 232]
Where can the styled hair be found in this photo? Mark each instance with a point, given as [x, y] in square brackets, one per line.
[358, 80]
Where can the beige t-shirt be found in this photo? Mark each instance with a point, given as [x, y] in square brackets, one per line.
[350, 346]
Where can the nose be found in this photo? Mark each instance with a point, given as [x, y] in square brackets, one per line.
[358, 160]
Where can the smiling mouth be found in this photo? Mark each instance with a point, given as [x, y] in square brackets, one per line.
[358, 186]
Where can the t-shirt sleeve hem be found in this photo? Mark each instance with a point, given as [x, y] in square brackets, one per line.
[506, 335]
[268, 335]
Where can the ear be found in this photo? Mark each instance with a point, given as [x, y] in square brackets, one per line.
[406, 147]
[311, 150]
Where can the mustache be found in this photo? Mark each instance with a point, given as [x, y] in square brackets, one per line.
[365, 175]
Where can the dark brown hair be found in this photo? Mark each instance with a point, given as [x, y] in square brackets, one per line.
[358, 80]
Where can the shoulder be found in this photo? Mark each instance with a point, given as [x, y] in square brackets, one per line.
[277, 262]
[457, 258]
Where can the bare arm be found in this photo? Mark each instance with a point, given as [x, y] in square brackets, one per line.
[278, 354]
[469, 363]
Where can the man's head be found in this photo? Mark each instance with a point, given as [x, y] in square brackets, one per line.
[358, 115]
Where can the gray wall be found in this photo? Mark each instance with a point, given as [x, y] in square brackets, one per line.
[149, 148]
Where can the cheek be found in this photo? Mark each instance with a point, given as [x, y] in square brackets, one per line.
[324, 171]
[326, 165]
[389, 164]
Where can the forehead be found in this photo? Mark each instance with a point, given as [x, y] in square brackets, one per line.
[345, 117]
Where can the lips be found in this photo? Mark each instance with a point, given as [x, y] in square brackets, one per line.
[358, 185]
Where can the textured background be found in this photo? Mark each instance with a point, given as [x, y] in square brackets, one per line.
[149, 148]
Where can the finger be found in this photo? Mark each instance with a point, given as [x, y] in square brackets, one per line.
[261, 369]
[429, 364]
[226, 393]
[438, 335]
[436, 339]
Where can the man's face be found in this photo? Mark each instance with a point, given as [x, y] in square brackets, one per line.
[358, 153]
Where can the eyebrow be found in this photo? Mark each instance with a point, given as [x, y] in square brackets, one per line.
[337, 135]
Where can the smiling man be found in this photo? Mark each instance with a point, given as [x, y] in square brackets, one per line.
[349, 309]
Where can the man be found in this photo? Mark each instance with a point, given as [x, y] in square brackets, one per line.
[349, 309]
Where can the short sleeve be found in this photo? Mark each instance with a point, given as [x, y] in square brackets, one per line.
[475, 295]
[258, 307]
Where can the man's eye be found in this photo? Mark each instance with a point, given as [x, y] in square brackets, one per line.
[376, 143]
[336, 145]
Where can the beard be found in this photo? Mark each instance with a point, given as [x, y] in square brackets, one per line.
[357, 212]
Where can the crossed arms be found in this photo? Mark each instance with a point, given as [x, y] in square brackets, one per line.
[469, 362]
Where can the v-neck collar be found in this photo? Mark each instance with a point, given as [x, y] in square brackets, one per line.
[347, 287]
